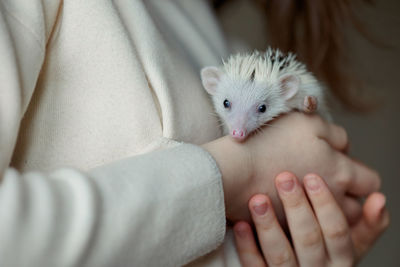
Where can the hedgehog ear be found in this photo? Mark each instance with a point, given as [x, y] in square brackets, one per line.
[290, 85]
[210, 77]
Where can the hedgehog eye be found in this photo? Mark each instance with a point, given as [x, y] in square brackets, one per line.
[227, 104]
[262, 108]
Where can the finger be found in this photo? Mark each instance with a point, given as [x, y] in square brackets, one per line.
[374, 221]
[303, 226]
[352, 209]
[332, 221]
[249, 254]
[335, 135]
[362, 180]
[273, 241]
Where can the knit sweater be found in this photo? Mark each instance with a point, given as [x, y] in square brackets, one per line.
[101, 112]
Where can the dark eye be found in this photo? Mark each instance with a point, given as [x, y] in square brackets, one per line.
[262, 108]
[227, 104]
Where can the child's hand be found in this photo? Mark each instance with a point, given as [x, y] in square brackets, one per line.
[320, 233]
[296, 142]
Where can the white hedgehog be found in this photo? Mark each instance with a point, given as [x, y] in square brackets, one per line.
[250, 90]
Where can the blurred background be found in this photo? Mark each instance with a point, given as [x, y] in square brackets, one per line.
[374, 136]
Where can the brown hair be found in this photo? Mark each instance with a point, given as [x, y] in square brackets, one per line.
[314, 30]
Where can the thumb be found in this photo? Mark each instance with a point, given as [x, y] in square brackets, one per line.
[374, 221]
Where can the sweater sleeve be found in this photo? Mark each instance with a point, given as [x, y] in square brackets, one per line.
[164, 208]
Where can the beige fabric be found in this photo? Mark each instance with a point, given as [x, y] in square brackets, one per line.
[112, 84]
[87, 89]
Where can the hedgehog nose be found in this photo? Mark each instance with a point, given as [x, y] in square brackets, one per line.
[239, 134]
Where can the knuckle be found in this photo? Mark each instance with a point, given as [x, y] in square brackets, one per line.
[264, 225]
[280, 258]
[316, 118]
[336, 232]
[311, 238]
[323, 200]
[372, 180]
[323, 148]
[343, 181]
[344, 177]
[317, 121]
[311, 121]
[294, 203]
[343, 135]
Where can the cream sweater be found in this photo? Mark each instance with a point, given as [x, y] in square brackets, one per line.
[97, 101]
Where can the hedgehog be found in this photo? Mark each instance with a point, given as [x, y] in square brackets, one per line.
[250, 90]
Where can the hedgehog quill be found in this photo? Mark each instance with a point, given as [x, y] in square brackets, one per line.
[250, 90]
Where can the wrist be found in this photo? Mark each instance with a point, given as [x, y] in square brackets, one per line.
[233, 161]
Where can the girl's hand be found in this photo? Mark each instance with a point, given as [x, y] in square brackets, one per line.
[296, 142]
[320, 233]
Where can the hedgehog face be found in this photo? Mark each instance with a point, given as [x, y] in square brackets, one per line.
[245, 106]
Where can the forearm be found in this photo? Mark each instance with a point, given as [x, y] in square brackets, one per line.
[167, 208]
[139, 210]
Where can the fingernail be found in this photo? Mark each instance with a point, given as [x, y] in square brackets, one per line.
[312, 183]
[260, 208]
[286, 183]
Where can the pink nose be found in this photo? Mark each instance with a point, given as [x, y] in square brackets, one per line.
[239, 134]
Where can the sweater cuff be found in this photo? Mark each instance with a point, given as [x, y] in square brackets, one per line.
[219, 207]
[173, 200]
